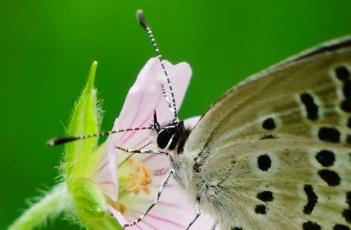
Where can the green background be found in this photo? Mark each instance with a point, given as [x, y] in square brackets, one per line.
[46, 48]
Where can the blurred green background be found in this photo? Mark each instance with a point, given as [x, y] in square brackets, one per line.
[46, 48]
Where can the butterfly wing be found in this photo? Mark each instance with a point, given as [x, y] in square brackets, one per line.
[274, 152]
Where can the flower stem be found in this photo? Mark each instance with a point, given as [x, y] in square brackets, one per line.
[51, 204]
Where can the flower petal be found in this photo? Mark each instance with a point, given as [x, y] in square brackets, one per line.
[143, 98]
[105, 174]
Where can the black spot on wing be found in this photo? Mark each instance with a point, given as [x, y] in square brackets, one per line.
[330, 177]
[196, 167]
[349, 122]
[265, 196]
[346, 105]
[340, 227]
[329, 134]
[264, 162]
[268, 124]
[325, 157]
[310, 106]
[348, 139]
[266, 137]
[346, 89]
[311, 199]
[236, 228]
[261, 209]
[342, 73]
[310, 226]
[347, 215]
[348, 199]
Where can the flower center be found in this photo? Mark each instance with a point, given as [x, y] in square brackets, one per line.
[134, 178]
[140, 178]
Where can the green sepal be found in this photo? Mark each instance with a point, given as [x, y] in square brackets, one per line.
[90, 206]
[88, 197]
[84, 120]
[81, 158]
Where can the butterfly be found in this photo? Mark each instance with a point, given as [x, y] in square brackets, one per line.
[274, 151]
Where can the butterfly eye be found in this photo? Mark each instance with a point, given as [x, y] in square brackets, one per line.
[167, 138]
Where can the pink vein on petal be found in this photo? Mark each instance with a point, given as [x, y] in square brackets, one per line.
[165, 220]
[146, 223]
[107, 183]
[173, 205]
[138, 227]
[169, 185]
[150, 115]
[141, 142]
[127, 136]
[164, 203]
[157, 103]
[102, 167]
[159, 171]
[148, 158]
[156, 218]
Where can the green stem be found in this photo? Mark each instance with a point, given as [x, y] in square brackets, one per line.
[53, 203]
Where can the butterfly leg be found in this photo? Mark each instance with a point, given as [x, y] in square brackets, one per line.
[161, 189]
[198, 213]
[142, 151]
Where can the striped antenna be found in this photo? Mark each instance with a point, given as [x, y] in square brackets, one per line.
[64, 140]
[141, 18]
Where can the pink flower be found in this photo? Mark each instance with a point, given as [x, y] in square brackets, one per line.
[131, 183]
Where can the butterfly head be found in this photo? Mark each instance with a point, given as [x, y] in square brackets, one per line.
[171, 136]
[168, 136]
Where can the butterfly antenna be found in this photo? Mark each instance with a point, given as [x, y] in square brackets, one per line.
[141, 18]
[67, 139]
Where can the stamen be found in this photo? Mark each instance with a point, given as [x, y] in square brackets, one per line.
[140, 177]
